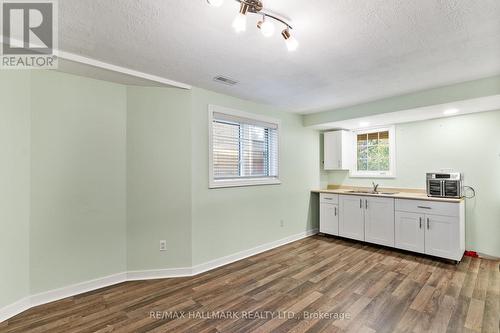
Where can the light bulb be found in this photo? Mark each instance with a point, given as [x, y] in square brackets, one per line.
[215, 3]
[240, 22]
[292, 44]
[266, 27]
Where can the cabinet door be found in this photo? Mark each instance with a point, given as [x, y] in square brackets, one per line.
[410, 232]
[332, 150]
[329, 219]
[347, 150]
[442, 236]
[351, 217]
[379, 221]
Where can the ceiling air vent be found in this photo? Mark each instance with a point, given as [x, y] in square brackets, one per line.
[225, 80]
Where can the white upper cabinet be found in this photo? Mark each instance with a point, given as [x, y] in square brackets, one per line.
[338, 150]
[379, 221]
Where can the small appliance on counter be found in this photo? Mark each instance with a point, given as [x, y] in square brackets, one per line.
[444, 185]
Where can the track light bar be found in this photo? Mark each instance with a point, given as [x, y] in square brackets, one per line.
[267, 28]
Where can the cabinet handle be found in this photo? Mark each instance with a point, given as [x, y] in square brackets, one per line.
[420, 224]
[366, 204]
[360, 203]
[335, 211]
[428, 223]
[328, 198]
[424, 207]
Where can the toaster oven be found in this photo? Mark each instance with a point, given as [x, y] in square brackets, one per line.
[445, 185]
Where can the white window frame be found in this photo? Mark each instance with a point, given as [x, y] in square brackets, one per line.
[392, 154]
[238, 182]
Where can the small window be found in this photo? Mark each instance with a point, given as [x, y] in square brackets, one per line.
[244, 148]
[375, 153]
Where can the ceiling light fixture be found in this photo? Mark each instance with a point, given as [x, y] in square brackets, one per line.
[364, 124]
[215, 3]
[265, 25]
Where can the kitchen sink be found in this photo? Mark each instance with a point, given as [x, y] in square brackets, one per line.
[371, 192]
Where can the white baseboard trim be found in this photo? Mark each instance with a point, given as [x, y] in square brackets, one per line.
[26, 303]
[75, 289]
[487, 256]
[201, 268]
[14, 309]
[159, 274]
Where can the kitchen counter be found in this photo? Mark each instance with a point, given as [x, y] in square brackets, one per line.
[399, 193]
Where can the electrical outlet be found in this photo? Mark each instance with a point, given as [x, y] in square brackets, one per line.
[282, 223]
[163, 245]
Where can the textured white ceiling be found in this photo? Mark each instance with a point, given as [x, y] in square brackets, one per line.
[351, 51]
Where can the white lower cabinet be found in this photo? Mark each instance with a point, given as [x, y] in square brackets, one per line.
[352, 217]
[329, 219]
[379, 221]
[420, 229]
[442, 236]
[369, 219]
[431, 227]
[409, 232]
[329, 214]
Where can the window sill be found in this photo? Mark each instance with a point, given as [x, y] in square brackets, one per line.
[241, 183]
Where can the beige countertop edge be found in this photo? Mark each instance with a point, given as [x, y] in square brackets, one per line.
[411, 195]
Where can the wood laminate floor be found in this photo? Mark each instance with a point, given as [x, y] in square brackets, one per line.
[318, 284]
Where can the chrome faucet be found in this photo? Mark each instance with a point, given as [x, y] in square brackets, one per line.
[375, 187]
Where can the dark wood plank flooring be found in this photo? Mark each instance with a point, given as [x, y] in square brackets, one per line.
[319, 284]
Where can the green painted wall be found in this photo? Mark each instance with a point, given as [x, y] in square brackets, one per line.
[158, 177]
[229, 220]
[78, 169]
[14, 185]
[115, 169]
[456, 92]
[470, 144]
[167, 183]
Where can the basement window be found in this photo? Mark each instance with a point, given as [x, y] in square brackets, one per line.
[375, 151]
[243, 148]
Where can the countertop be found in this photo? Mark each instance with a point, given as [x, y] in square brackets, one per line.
[401, 193]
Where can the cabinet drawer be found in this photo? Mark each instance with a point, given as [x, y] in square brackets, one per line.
[329, 198]
[428, 207]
